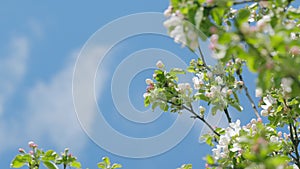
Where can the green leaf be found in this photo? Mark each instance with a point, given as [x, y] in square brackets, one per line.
[101, 165]
[147, 101]
[116, 166]
[186, 166]
[176, 71]
[174, 3]
[164, 106]
[49, 155]
[276, 161]
[210, 160]
[242, 16]
[154, 105]
[237, 106]
[50, 165]
[75, 164]
[214, 110]
[18, 162]
[106, 160]
[217, 14]
[209, 141]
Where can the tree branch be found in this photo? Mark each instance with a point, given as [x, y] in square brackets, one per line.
[295, 141]
[227, 115]
[203, 59]
[238, 72]
[194, 114]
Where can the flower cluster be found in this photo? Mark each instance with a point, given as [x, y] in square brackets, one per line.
[182, 31]
[262, 37]
[239, 147]
[50, 159]
[221, 150]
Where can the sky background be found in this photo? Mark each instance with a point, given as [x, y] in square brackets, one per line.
[39, 44]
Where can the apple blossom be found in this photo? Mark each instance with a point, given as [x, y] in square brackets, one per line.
[160, 64]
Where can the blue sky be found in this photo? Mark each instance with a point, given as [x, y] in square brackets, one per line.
[40, 42]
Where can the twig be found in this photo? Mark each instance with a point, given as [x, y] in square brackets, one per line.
[295, 141]
[227, 115]
[195, 115]
[203, 59]
[247, 93]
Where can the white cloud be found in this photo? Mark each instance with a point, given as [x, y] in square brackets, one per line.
[13, 68]
[51, 114]
[51, 111]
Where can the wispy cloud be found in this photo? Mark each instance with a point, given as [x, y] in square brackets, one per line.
[50, 112]
[13, 67]
[12, 70]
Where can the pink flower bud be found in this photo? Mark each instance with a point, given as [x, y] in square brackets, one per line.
[213, 29]
[160, 64]
[229, 92]
[259, 120]
[264, 4]
[295, 50]
[150, 87]
[240, 83]
[209, 94]
[31, 152]
[21, 150]
[148, 81]
[214, 38]
[212, 46]
[210, 2]
[30, 144]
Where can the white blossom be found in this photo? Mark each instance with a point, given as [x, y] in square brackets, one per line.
[198, 80]
[268, 106]
[202, 109]
[182, 33]
[286, 136]
[286, 84]
[264, 113]
[293, 36]
[168, 11]
[146, 95]
[264, 24]
[219, 80]
[295, 166]
[274, 139]
[187, 86]
[220, 53]
[160, 64]
[148, 81]
[172, 21]
[181, 86]
[236, 147]
[258, 92]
